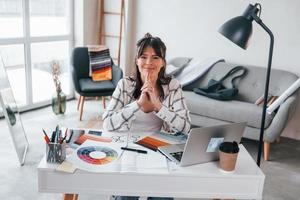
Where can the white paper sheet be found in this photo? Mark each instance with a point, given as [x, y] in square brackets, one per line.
[133, 161]
[283, 96]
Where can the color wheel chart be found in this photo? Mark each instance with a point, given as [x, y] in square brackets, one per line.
[97, 155]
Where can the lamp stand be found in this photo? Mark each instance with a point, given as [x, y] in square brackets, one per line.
[264, 110]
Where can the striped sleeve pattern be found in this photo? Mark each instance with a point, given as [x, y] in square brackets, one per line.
[119, 113]
[174, 111]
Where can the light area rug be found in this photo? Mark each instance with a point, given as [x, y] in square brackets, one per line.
[20, 183]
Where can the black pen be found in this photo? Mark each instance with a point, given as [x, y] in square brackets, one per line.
[136, 150]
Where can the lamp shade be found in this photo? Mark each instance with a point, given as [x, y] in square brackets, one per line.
[238, 30]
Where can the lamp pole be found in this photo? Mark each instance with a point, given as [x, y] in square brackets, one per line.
[264, 111]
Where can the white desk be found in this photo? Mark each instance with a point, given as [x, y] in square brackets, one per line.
[197, 181]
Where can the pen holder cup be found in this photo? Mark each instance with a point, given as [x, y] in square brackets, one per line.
[55, 152]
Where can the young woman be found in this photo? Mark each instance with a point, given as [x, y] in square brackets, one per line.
[150, 101]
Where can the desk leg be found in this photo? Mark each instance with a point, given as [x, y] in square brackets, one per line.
[70, 197]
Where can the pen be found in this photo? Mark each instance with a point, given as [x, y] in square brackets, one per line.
[136, 150]
[62, 140]
[53, 136]
[57, 134]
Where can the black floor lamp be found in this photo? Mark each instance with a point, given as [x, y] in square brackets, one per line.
[239, 30]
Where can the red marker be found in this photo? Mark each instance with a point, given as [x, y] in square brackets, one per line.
[46, 137]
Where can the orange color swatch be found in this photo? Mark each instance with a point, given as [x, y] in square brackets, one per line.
[85, 137]
[103, 74]
[152, 143]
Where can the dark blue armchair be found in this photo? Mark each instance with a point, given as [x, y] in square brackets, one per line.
[83, 83]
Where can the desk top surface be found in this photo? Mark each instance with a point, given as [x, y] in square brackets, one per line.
[245, 166]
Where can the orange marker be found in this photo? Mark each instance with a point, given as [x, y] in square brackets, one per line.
[46, 139]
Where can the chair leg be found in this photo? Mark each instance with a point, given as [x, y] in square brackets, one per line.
[70, 197]
[103, 102]
[81, 108]
[79, 101]
[266, 151]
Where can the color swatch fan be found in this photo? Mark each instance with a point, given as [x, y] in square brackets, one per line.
[96, 156]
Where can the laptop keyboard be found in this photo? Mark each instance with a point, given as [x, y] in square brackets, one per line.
[177, 155]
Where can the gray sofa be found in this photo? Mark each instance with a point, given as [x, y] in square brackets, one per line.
[208, 112]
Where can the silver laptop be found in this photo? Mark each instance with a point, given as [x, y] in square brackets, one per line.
[202, 144]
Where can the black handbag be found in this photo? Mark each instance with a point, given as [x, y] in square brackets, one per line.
[216, 90]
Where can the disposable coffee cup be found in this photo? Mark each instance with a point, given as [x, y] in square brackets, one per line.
[55, 152]
[228, 153]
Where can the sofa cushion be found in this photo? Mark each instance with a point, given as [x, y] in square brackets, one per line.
[87, 86]
[231, 111]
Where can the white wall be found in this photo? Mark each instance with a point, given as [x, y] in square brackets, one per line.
[189, 28]
[86, 22]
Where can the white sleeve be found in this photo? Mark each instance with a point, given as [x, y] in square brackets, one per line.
[177, 115]
[118, 116]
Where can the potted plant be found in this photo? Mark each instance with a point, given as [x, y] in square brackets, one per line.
[59, 98]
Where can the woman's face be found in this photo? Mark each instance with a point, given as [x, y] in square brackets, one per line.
[149, 64]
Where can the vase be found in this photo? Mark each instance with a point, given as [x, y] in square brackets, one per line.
[59, 103]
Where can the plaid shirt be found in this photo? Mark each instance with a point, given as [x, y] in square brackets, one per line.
[120, 113]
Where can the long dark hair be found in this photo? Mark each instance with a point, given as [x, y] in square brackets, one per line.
[160, 49]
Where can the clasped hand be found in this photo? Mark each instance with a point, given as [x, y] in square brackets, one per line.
[149, 99]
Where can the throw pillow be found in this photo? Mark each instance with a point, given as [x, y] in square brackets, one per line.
[175, 65]
[100, 63]
[195, 69]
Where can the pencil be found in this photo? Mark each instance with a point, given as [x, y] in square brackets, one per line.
[66, 131]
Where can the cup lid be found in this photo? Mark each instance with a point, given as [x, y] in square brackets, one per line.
[229, 147]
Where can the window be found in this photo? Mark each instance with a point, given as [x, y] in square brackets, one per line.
[33, 34]
[11, 19]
